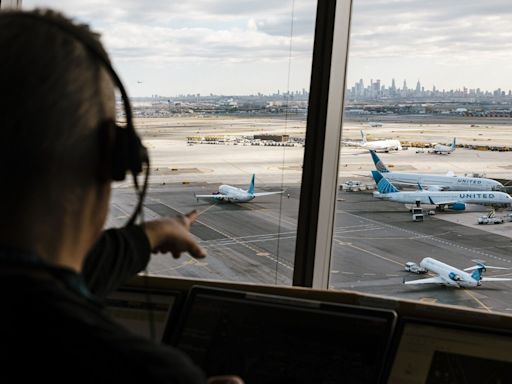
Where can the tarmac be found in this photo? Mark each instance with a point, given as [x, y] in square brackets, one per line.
[255, 242]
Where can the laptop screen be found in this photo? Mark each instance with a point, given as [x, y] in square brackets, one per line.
[443, 353]
[270, 339]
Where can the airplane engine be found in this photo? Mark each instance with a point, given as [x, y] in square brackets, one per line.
[454, 276]
[458, 206]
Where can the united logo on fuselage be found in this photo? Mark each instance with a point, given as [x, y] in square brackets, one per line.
[476, 195]
[469, 181]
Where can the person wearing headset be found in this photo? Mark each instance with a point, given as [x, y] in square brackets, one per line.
[61, 150]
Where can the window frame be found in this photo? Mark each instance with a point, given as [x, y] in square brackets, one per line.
[322, 150]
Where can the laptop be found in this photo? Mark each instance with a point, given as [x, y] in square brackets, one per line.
[276, 339]
[436, 352]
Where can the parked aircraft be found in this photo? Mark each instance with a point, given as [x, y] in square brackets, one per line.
[448, 182]
[455, 200]
[444, 149]
[375, 124]
[453, 277]
[377, 145]
[227, 193]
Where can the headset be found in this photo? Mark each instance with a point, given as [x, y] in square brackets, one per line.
[129, 155]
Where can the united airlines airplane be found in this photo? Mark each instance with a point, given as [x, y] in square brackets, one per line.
[376, 145]
[453, 277]
[440, 149]
[453, 200]
[437, 182]
[227, 193]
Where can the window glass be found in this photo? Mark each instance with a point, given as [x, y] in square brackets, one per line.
[219, 91]
[429, 89]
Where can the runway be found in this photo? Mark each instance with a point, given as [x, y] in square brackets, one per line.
[255, 242]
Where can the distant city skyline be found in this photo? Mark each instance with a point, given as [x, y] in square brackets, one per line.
[375, 88]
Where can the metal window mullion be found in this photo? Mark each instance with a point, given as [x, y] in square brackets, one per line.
[323, 135]
[333, 131]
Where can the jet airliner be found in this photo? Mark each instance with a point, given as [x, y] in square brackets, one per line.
[453, 277]
[376, 145]
[455, 200]
[228, 193]
[449, 182]
[440, 149]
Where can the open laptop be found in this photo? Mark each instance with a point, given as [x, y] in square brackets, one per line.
[436, 352]
[275, 339]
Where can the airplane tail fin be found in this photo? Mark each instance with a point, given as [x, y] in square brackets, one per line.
[383, 185]
[454, 144]
[477, 273]
[363, 136]
[251, 186]
[378, 162]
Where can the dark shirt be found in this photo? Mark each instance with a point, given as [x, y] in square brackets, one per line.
[53, 329]
[118, 255]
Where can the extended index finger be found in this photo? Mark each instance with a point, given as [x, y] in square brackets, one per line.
[192, 216]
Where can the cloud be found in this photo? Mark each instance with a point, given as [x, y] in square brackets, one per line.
[429, 29]
[198, 30]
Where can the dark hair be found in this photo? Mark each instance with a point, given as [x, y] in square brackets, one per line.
[53, 97]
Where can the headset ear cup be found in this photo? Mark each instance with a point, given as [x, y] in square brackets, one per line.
[120, 154]
[128, 153]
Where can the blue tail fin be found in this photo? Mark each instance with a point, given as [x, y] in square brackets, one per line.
[477, 273]
[454, 144]
[251, 186]
[378, 162]
[383, 185]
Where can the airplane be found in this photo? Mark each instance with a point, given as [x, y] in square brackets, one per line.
[377, 145]
[448, 182]
[227, 193]
[453, 277]
[375, 124]
[455, 200]
[440, 149]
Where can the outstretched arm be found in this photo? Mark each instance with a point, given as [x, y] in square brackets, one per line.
[121, 253]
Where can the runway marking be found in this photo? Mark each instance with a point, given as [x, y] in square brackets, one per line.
[470, 294]
[369, 252]
[192, 261]
[273, 217]
[430, 237]
[207, 209]
[244, 244]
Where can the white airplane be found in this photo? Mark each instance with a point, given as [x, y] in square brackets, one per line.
[440, 149]
[375, 124]
[230, 194]
[453, 277]
[455, 200]
[449, 182]
[377, 145]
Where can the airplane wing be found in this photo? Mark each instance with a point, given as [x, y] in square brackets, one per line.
[352, 143]
[431, 280]
[495, 279]
[435, 188]
[217, 196]
[266, 193]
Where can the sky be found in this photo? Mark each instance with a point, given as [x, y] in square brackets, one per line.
[243, 47]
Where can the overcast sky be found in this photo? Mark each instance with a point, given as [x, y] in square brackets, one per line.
[242, 47]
